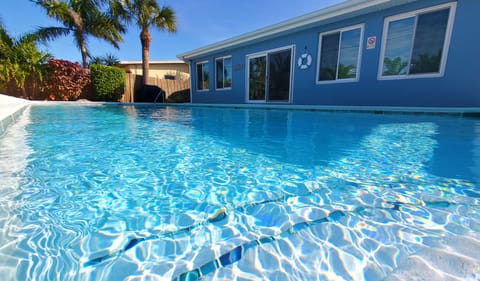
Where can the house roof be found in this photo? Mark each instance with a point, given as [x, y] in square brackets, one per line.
[349, 8]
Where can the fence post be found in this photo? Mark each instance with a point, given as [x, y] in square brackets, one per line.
[131, 87]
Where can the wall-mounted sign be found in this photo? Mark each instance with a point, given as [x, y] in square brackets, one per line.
[371, 42]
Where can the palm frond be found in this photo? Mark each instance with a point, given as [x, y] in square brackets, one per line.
[165, 20]
[106, 28]
[55, 9]
[4, 36]
[44, 34]
[95, 60]
[119, 9]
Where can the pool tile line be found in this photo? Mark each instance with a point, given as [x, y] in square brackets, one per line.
[238, 252]
[221, 214]
[218, 216]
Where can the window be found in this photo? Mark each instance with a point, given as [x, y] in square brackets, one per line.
[415, 44]
[202, 76]
[224, 72]
[339, 54]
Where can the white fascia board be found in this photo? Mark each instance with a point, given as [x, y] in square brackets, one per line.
[323, 14]
[130, 62]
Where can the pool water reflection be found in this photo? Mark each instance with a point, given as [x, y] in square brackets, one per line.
[170, 193]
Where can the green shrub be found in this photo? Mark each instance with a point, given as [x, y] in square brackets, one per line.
[108, 82]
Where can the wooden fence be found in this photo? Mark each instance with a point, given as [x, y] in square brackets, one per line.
[133, 84]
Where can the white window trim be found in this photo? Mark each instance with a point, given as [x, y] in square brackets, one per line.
[265, 53]
[196, 74]
[446, 44]
[223, 59]
[359, 58]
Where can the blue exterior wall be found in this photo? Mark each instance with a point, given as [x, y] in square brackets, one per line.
[459, 87]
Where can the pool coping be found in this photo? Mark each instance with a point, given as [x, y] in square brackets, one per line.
[371, 109]
[368, 109]
[456, 111]
[10, 110]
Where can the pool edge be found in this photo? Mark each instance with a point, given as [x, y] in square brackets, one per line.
[11, 109]
[462, 111]
[469, 111]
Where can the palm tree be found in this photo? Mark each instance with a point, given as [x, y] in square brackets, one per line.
[146, 14]
[20, 60]
[108, 60]
[394, 66]
[81, 19]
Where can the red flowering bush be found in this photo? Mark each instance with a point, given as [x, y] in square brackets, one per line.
[65, 80]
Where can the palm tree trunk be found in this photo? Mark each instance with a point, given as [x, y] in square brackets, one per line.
[145, 38]
[83, 50]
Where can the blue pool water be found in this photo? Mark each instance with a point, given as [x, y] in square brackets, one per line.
[99, 192]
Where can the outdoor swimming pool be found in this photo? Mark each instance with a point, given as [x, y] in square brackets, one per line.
[96, 192]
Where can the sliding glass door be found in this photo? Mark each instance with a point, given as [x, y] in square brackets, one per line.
[269, 76]
[257, 78]
[279, 68]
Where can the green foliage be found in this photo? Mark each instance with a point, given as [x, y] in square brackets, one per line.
[66, 80]
[20, 60]
[345, 72]
[394, 66]
[146, 14]
[81, 19]
[108, 82]
[109, 60]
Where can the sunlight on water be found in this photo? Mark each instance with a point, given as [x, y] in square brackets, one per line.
[146, 193]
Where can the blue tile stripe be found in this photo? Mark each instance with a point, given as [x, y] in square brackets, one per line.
[221, 214]
[218, 216]
[236, 253]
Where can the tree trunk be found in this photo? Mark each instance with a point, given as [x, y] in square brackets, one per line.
[145, 38]
[83, 50]
[79, 35]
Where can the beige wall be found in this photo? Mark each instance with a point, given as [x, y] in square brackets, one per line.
[158, 70]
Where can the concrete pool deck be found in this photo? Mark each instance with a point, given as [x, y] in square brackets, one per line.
[10, 109]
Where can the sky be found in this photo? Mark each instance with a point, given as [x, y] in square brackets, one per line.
[199, 23]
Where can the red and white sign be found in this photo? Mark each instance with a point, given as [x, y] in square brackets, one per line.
[371, 42]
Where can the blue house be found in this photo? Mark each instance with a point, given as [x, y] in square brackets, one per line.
[408, 53]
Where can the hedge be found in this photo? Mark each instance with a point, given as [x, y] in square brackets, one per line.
[108, 82]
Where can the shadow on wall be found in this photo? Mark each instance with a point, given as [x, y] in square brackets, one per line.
[150, 94]
[155, 94]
